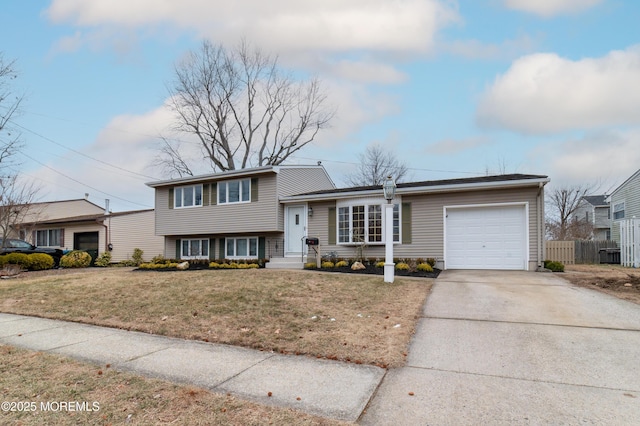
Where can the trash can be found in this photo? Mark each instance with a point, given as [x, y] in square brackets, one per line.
[610, 256]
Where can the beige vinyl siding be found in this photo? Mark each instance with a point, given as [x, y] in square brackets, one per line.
[135, 230]
[292, 181]
[427, 222]
[254, 217]
[60, 209]
[629, 192]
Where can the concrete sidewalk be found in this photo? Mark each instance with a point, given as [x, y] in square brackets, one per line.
[326, 388]
[516, 348]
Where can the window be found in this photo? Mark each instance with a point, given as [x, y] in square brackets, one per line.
[618, 211]
[244, 248]
[354, 226]
[234, 191]
[187, 196]
[195, 249]
[49, 238]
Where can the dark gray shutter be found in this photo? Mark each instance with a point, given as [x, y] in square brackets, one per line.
[171, 198]
[178, 244]
[214, 194]
[332, 225]
[406, 223]
[223, 251]
[205, 194]
[262, 247]
[254, 189]
[212, 248]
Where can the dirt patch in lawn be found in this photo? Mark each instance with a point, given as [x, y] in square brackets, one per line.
[615, 280]
[43, 389]
[346, 317]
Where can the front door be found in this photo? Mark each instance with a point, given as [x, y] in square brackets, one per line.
[296, 229]
[87, 241]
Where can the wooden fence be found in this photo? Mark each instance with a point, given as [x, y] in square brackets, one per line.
[576, 252]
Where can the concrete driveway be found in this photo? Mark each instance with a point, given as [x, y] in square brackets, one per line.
[499, 347]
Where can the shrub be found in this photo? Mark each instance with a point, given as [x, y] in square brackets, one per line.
[214, 265]
[136, 257]
[424, 267]
[75, 259]
[402, 266]
[554, 266]
[431, 261]
[39, 262]
[342, 264]
[327, 265]
[158, 266]
[310, 265]
[103, 260]
[20, 259]
[380, 264]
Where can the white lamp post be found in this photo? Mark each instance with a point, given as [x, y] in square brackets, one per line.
[389, 188]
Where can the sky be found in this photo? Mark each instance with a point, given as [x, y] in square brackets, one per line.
[453, 88]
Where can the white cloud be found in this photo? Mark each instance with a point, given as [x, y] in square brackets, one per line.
[544, 93]
[476, 49]
[547, 8]
[285, 25]
[604, 158]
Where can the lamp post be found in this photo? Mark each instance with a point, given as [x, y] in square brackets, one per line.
[389, 189]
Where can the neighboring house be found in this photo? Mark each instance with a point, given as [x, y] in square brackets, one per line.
[625, 203]
[83, 225]
[489, 222]
[594, 210]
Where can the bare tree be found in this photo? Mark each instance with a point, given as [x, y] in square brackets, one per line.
[9, 106]
[375, 165]
[16, 203]
[242, 109]
[562, 203]
[16, 196]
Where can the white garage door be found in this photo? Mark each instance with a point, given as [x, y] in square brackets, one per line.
[486, 238]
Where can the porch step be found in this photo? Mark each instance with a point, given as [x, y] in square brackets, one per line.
[285, 263]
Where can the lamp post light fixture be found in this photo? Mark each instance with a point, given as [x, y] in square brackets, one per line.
[389, 189]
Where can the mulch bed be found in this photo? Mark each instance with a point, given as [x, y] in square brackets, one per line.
[373, 270]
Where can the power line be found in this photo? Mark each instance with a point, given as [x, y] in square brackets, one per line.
[83, 154]
[82, 183]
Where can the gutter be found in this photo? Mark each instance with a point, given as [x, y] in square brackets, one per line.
[434, 189]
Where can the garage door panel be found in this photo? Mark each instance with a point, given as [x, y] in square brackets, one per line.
[486, 237]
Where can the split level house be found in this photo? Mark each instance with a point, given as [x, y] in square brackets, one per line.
[487, 222]
[80, 224]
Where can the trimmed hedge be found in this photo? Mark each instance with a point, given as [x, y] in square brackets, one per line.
[30, 262]
[76, 259]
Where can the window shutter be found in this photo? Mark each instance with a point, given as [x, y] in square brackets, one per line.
[332, 225]
[223, 253]
[62, 237]
[205, 194]
[34, 238]
[212, 248]
[214, 194]
[178, 244]
[406, 223]
[254, 189]
[171, 198]
[262, 248]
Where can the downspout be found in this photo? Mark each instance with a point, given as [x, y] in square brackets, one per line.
[540, 233]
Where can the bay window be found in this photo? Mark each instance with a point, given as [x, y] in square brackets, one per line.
[364, 223]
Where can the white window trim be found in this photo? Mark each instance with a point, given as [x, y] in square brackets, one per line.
[366, 202]
[182, 188]
[613, 210]
[226, 184]
[202, 242]
[248, 256]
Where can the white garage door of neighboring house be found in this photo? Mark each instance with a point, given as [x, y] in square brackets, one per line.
[492, 237]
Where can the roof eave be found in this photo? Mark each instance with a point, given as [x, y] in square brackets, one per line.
[432, 189]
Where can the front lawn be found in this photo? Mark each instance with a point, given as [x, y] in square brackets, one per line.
[354, 318]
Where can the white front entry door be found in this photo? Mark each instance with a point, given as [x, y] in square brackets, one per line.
[295, 231]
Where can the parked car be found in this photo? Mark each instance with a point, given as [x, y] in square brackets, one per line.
[13, 245]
